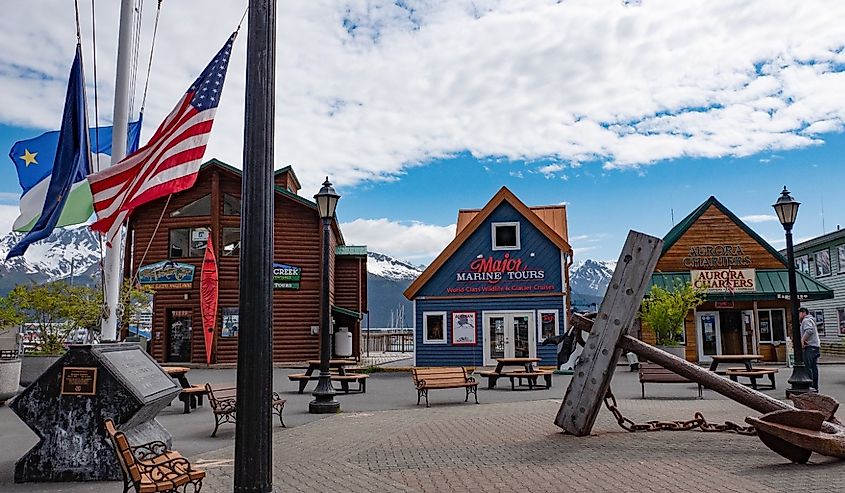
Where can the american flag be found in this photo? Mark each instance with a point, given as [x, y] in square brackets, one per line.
[170, 161]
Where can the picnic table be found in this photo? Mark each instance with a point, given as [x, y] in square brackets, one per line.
[525, 370]
[191, 395]
[745, 359]
[178, 373]
[339, 374]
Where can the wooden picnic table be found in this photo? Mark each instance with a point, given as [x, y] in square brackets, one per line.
[527, 363]
[340, 364]
[191, 395]
[178, 373]
[341, 375]
[745, 359]
[527, 371]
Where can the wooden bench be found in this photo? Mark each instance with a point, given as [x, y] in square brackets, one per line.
[530, 376]
[426, 379]
[151, 467]
[360, 378]
[223, 403]
[192, 397]
[653, 373]
[753, 375]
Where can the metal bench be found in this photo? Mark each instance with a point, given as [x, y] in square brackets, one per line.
[426, 379]
[653, 373]
[223, 403]
[151, 467]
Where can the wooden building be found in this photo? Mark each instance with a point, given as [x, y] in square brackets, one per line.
[823, 259]
[168, 257]
[497, 290]
[747, 308]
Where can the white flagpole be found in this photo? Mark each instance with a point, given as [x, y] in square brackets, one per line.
[112, 266]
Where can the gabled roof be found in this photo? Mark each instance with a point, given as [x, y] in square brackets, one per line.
[678, 231]
[553, 215]
[503, 195]
[281, 191]
[287, 169]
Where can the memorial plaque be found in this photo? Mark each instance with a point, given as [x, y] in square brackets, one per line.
[140, 371]
[79, 381]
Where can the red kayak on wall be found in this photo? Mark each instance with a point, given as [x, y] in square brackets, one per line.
[208, 298]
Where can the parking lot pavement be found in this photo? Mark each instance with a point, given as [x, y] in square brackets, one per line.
[391, 396]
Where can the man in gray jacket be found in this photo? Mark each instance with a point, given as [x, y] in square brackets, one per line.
[810, 344]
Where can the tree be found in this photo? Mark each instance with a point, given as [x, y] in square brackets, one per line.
[134, 298]
[664, 311]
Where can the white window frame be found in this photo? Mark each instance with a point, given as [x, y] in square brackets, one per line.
[540, 314]
[823, 329]
[496, 247]
[840, 254]
[442, 315]
[803, 266]
[816, 262]
[840, 315]
[771, 339]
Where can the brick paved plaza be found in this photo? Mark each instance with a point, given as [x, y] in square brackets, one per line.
[383, 442]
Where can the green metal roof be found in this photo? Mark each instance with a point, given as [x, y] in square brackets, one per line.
[771, 285]
[347, 312]
[357, 250]
[676, 232]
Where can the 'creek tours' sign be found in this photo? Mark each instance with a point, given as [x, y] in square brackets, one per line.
[167, 275]
[489, 275]
[725, 280]
[286, 276]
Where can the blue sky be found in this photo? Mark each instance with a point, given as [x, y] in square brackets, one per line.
[415, 109]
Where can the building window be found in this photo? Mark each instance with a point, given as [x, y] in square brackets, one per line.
[841, 313]
[822, 261]
[231, 205]
[548, 323]
[188, 242]
[434, 328]
[841, 254]
[772, 325]
[506, 236]
[199, 207]
[231, 242]
[802, 263]
[818, 316]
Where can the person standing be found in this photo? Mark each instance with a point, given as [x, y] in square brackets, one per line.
[810, 344]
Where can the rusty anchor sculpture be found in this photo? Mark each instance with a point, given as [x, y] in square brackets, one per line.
[794, 432]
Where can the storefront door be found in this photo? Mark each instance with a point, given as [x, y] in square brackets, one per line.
[730, 330]
[178, 336]
[709, 337]
[749, 336]
[509, 335]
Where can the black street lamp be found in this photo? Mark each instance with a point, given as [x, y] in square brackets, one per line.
[324, 401]
[787, 210]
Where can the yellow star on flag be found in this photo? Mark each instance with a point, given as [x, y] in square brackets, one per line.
[29, 157]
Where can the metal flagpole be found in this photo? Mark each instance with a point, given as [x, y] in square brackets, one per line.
[112, 263]
[253, 432]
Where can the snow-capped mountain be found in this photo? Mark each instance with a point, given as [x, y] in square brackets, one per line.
[589, 280]
[67, 251]
[382, 265]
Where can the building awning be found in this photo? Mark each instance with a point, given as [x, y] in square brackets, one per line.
[347, 312]
[771, 285]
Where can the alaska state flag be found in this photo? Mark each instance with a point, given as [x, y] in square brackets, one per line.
[34, 159]
[72, 160]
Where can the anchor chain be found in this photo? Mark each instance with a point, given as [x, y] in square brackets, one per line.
[698, 421]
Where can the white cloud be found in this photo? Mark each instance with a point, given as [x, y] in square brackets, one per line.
[759, 218]
[369, 88]
[8, 214]
[408, 240]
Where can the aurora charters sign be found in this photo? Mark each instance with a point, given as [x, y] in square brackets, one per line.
[725, 280]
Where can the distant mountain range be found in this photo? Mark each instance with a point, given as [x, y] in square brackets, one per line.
[76, 252]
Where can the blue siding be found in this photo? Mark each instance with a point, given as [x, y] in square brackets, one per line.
[546, 254]
[449, 355]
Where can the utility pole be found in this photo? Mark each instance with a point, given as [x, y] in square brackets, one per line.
[112, 263]
[253, 432]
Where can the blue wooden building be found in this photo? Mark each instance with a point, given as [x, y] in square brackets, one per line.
[497, 290]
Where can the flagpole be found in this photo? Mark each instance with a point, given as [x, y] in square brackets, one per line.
[112, 264]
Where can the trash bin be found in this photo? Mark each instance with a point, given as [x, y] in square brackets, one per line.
[780, 352]
[343, 342]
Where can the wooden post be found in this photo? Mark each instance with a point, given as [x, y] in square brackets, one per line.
[595, 367]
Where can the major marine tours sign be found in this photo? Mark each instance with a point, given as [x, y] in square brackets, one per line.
[505, 275]
[286, 276]
[710, 256]
[167, 275]
[724, 280]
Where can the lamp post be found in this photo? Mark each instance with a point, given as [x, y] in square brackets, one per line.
[787, 210]
[324, 401]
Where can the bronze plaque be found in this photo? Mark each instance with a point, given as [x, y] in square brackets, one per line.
[79, 381]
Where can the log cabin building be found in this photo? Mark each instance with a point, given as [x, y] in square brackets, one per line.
[168, 257]
[747, 308]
